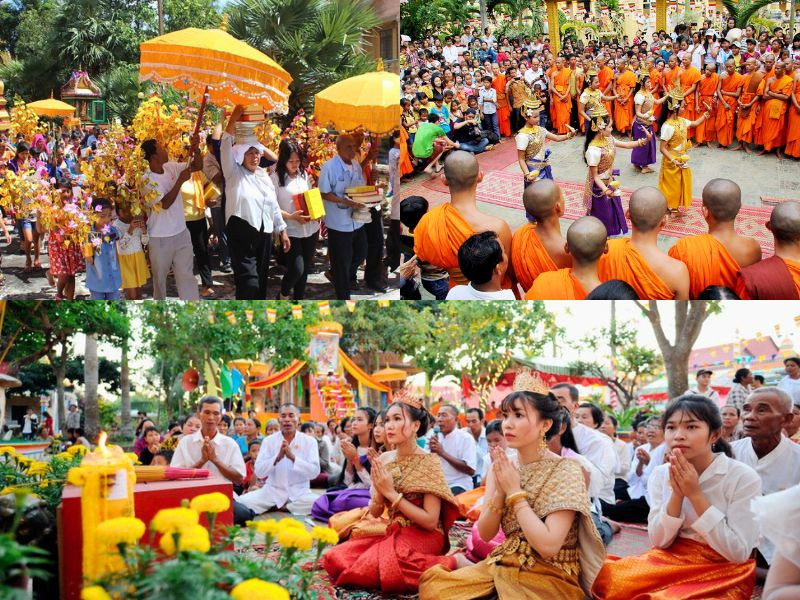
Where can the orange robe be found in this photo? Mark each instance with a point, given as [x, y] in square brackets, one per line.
[758, 138]
[690, 110]
[561, 110]
[606, 76]
[772, 128]
[793, 125]
[670, 78]
[528, 256]
[623, 114]
[706, 131]
[725, 118]
[503, 109]
[625, 262]
[556, 285]
[708, 261]
[656, 77]
[746, 123]
[794, 270]
[405, 160]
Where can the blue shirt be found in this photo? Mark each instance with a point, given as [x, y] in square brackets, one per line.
[335, 177]
[104, 274]
[444, 113]
[242, 441]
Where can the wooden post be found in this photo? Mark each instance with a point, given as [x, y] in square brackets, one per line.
[552, 26]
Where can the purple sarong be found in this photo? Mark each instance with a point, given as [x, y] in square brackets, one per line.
[609, 211]
[336, 501]
[645, 155]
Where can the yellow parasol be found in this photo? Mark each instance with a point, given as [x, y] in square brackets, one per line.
[250, 368]
[389, 374]
[214, 62]
[52, 108]
[370, 102]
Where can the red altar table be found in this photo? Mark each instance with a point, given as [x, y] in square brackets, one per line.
[149, 498]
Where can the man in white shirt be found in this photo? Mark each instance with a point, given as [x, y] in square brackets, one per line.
[170, 241]
[475, 424]
[704, 388]
[456, 450]
[534, 73]
[482, 259]
[450, 52]
[776, 459]
[288, 460]
[791, 382]
[209, 449]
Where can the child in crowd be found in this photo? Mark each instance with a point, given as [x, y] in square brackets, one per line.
[153, 440]
[238, 434]
[433, 279]
[483, 261]
[251, 482]
[162, 458]
[393, 239]
[130, 249]
[66, 259]
[103, 276]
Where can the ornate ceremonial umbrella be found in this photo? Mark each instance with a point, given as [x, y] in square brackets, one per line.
[370, 102]
[52, 108]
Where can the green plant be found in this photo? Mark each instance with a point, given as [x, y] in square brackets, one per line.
[44, 479]
[19, 561]
[534, 9]
[744, 10]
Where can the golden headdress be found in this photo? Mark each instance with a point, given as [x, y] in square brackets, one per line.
[406, 396]
[598, 113]
[674, 98]
[532, 104]
[641, 75]
[592, 72]
[530, 381]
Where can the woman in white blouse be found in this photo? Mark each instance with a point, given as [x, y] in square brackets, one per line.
[252, 213]
[290, 178]
[700, 524]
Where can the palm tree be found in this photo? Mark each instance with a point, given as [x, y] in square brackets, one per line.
[319, 42]
[744, 10]
[91, 376]
[518, 8]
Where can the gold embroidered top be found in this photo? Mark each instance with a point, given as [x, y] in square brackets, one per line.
[646, 106]
[608, 152]
[536, 137]
[678, 142]
[592, 97]
[551, 484]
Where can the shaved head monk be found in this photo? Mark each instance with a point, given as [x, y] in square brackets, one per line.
[440, 233]
[716, 257]
[776, 277]
[638, 260]
[538, 247]
[587, 240]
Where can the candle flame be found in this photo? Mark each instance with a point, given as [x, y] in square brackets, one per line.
[101, 444]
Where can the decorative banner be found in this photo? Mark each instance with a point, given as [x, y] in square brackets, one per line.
[236, 380]
[272, 314]
[325, 308]
[383, 303]
[211, 319]
[231, 317]
[297, 312]
[249, 314]
[351, 306]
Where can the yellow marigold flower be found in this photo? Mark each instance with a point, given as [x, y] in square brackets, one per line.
[77, 449]
[64, 455]
[325, 535]
[215, 502]
[6, 490]
[258, 589]
[38, 468]
[291, 537]
[267, 526]
[194, 538]
[287, 522]
[133, 457]
[10, 450]
[168, 520]
[24, 460]
[122, 530]
[94, 592]
[76, 476]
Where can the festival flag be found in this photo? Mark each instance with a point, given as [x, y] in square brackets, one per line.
[325, 308]
[299, 388]
[208, 375]
[297, 312]
[211, 319]
[249, 314]
[383, 303]
[225, 381]
[231, 317]
[272, 314]
[351, 306]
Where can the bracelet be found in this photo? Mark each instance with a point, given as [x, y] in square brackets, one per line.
[396, 502]
[511, 500]
[494, 508]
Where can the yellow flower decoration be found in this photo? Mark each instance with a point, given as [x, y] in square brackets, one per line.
[122, 530]
[38, 468]
[169, 520]
[6, 490]
[267, 526]
[325, 535]
[291, 537]
[258, 589]
[94, 592]
[215, 502]
[134, 459]
[287, 522]
[194, 538]
[76, 476]
[9, 450]
[64, 455]
[24, 121]
[78, 449]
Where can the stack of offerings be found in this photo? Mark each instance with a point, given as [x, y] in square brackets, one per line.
[369, 196]
[310, 203]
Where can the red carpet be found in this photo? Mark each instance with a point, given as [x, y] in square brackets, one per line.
[503, 188]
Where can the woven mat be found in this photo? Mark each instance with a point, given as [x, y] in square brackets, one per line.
[505, 189]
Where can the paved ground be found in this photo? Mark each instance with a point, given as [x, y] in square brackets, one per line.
[758, 176]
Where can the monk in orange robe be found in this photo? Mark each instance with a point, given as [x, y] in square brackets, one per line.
[776, 96]
[689, 80]
[793, 119]
[405, 160]
[606, 77]
[440, 232]
[623, 105]
[638, 260]
[715, 258]
[671, 73]
[752, 88]
[538, 247]
[657, 80]
[587, 240]
[560, 100]
[728, 90]
[499, 82]
[769, 72]
[776, 277]
[705, 100]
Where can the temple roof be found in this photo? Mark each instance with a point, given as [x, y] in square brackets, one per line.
[80, 86]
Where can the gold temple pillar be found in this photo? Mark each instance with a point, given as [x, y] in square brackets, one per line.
[661, 15]
[552, 26]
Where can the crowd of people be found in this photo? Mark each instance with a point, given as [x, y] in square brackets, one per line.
[235, 199]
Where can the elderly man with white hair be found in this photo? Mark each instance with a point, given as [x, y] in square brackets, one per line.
[252, 212]
[774, 457]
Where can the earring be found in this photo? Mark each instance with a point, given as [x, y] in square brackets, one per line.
[542, 445]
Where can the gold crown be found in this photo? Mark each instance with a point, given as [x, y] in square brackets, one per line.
[530, 381]
[592, 72]
[674, 98]
[531, 104]
[598, 113]
[406, 396]
[641, 75]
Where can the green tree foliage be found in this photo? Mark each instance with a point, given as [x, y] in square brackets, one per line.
[521, 10]
[319, 42]
[38, 377]
[419, 18]
[180, 14]
[744, 10]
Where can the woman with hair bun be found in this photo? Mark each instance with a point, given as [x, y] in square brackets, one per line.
[410, 483]
[552, 548]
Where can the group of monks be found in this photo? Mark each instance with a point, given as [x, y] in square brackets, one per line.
[544, 265]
